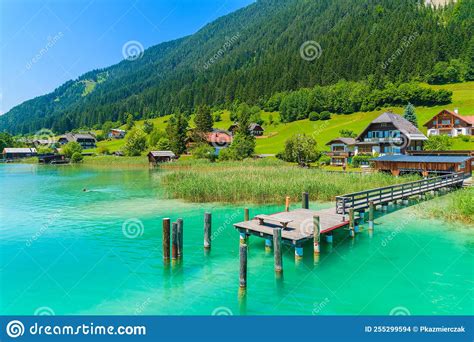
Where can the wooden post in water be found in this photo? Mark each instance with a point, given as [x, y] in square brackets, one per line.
[351, 222]
[357, 222]
[243, 266]
[166, 239]
[287, 203]
[298, 252]
[371, 215]
[243, 238]
[316, 234]
[305, 203]
[207, 230]
[246, 214]
[329, 237]
[180, 237]
[277, 250]
[268, 245]
[174, 241]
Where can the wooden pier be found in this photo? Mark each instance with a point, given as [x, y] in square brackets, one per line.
[360, 200]
[299, 229]
[301, 225]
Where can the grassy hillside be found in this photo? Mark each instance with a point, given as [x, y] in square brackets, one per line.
[323, 131]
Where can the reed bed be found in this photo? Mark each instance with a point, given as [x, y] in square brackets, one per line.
[456, 206]
[263, 181]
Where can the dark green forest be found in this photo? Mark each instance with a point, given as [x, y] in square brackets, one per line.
[254, 53]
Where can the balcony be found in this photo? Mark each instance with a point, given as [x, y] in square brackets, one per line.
[345, 154]
[386, 139]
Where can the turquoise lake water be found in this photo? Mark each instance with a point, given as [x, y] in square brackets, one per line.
[65, 251]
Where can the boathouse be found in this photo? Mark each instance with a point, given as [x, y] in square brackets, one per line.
[423, 164]
[155, 157]
[18, 152]
[52, 158]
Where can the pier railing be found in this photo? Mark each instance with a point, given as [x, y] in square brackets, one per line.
[360, 200]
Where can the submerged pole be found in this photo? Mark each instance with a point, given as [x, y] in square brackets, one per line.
[371, 215]
[277, 250]
[268, 245]
[287, 203]
[166, 239]
[246, 214]
[316, 234]
[174, 241]
[243, 266]
[207, 230]
[305, 202]
[180, 237]
[351, 222]
[329, 237]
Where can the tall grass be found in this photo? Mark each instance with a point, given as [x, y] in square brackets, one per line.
[456, 206]
[262, 181]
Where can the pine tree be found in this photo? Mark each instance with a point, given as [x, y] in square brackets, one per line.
[176, 130]
[203, 119]
[410, 115]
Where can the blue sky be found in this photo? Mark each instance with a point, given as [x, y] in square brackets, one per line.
[45, 43]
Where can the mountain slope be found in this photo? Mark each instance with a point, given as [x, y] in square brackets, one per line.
[252, 53]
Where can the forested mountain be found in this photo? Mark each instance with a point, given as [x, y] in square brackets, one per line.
[255, 52]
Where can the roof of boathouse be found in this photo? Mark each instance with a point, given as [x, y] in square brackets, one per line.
[422, 159]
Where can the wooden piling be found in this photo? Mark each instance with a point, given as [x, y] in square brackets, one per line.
[268, 245]
[329, 237]
[243, 238]
[351, 222]
[166, 239]
[305, 201]
[246, 214]
[180, 237]
[316, 234]
[277, 250]
[243, 266]
[371, 215]
[174, 241]
[207, 230]
[287, 203]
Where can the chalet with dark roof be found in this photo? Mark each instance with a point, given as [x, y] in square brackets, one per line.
[86, 140]
[389, 134]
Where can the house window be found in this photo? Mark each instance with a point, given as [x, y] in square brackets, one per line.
[369, 135]
[435, 122]
[456, 122]
[446, 122]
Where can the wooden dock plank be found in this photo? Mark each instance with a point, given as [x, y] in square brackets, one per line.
[301, 227]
